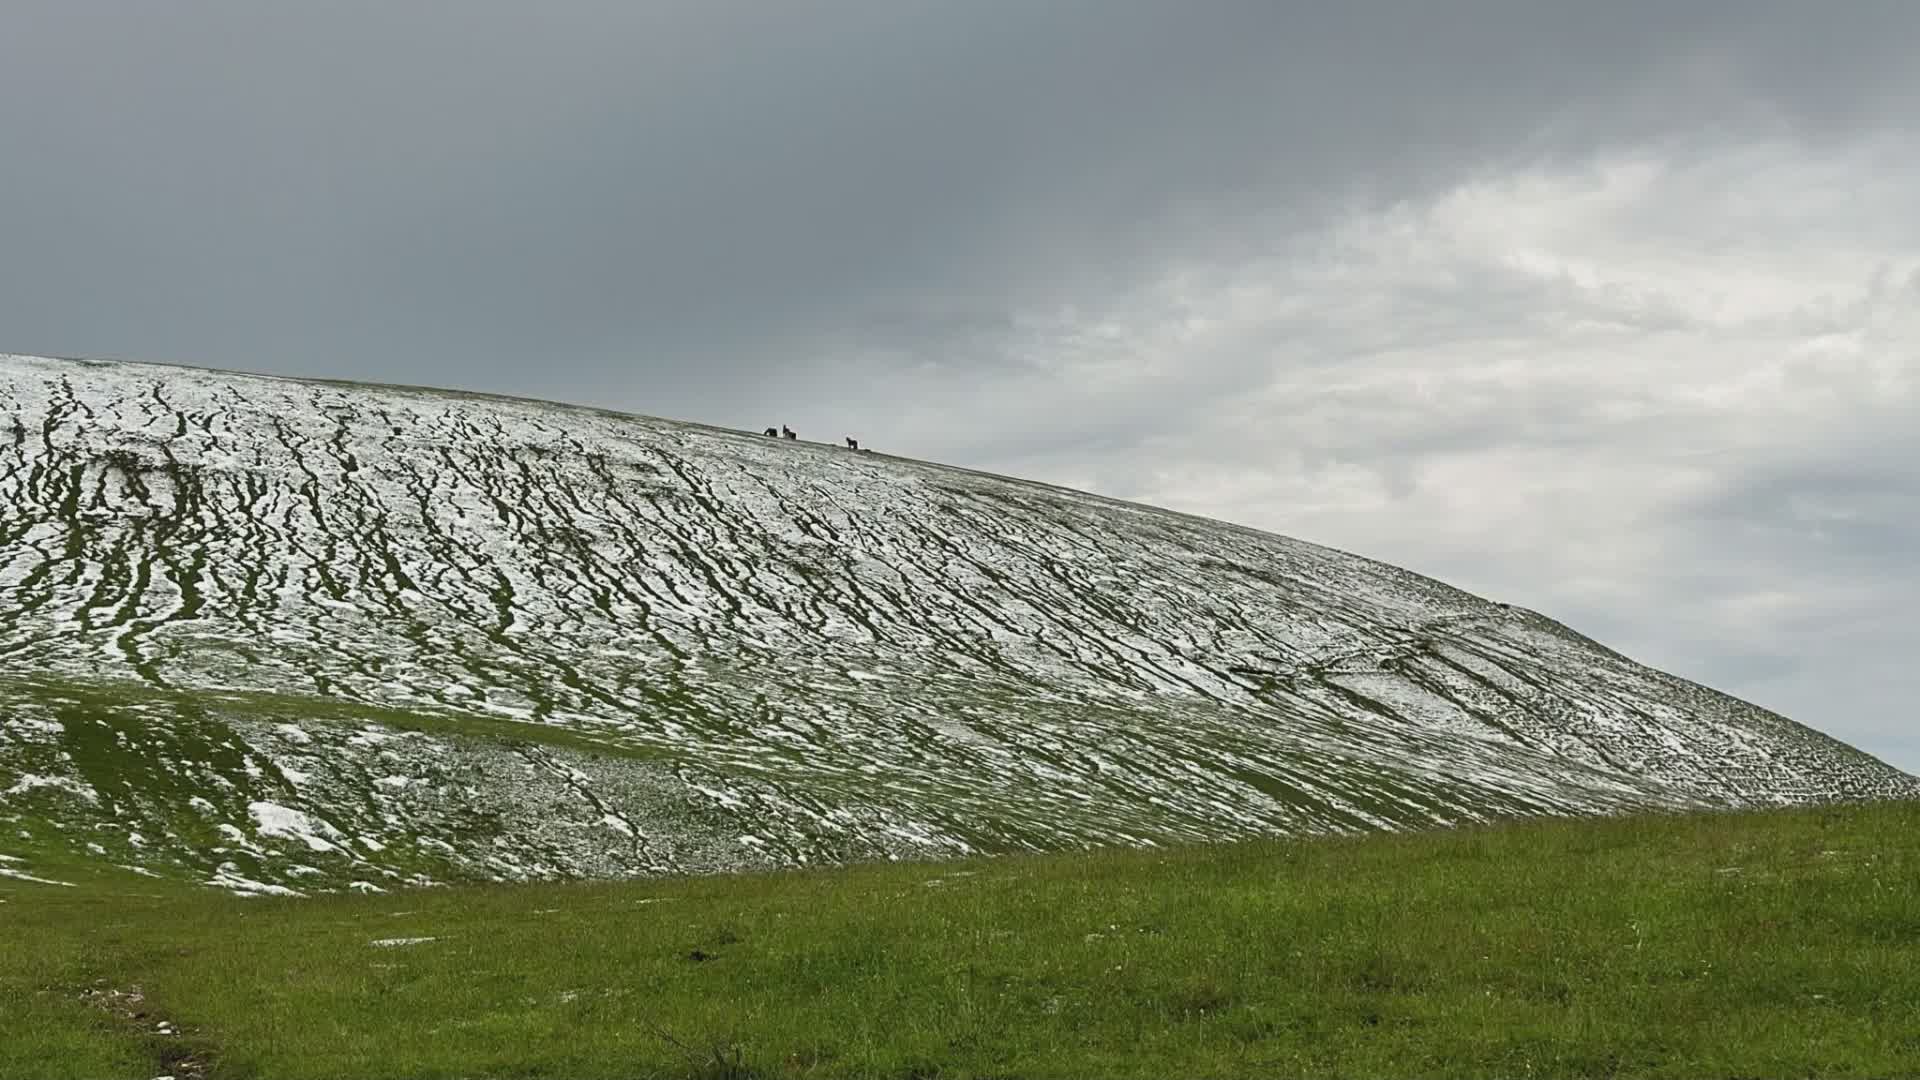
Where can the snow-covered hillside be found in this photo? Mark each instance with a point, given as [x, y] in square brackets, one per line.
[283, 634]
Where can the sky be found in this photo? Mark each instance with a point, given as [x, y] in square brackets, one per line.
[1607, 310]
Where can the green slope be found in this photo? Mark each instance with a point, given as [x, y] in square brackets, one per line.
[1773, 944]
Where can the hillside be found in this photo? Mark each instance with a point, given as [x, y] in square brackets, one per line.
[1775, 944]
[282, 635]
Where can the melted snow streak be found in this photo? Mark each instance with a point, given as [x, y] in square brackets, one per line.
[785, 653]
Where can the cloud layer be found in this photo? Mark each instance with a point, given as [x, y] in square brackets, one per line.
[1612, 311]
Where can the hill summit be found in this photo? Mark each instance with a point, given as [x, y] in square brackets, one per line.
[279, 635]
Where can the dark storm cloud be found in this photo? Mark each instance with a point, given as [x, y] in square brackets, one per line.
[1599, 307]
[440, 192]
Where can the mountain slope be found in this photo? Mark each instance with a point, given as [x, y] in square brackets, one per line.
[279, 634]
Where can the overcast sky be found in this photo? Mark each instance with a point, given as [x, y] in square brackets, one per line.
[1611, 310]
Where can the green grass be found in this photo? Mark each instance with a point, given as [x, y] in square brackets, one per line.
[1780, 944]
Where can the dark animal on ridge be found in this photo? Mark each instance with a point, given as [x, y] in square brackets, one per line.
[853, 443]
[788, 432]
[770, 432]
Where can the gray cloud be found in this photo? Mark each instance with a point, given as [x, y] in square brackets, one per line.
[1606, 309]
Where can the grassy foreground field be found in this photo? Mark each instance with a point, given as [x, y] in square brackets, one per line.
[1781, 944]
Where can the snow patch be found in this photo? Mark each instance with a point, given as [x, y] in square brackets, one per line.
[272, 819]
[228, 877]
[32, 782]
[22, 875]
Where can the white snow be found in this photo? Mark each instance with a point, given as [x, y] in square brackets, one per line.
[228, 877]
[272, 819]
[72, 786]
[21, 875]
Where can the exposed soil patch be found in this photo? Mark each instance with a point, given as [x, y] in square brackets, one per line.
[175, 1051]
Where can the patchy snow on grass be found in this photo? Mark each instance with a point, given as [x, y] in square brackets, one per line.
[508, 640]
[22, 875]
[228, 877]
[71, 785]
[272, 819]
